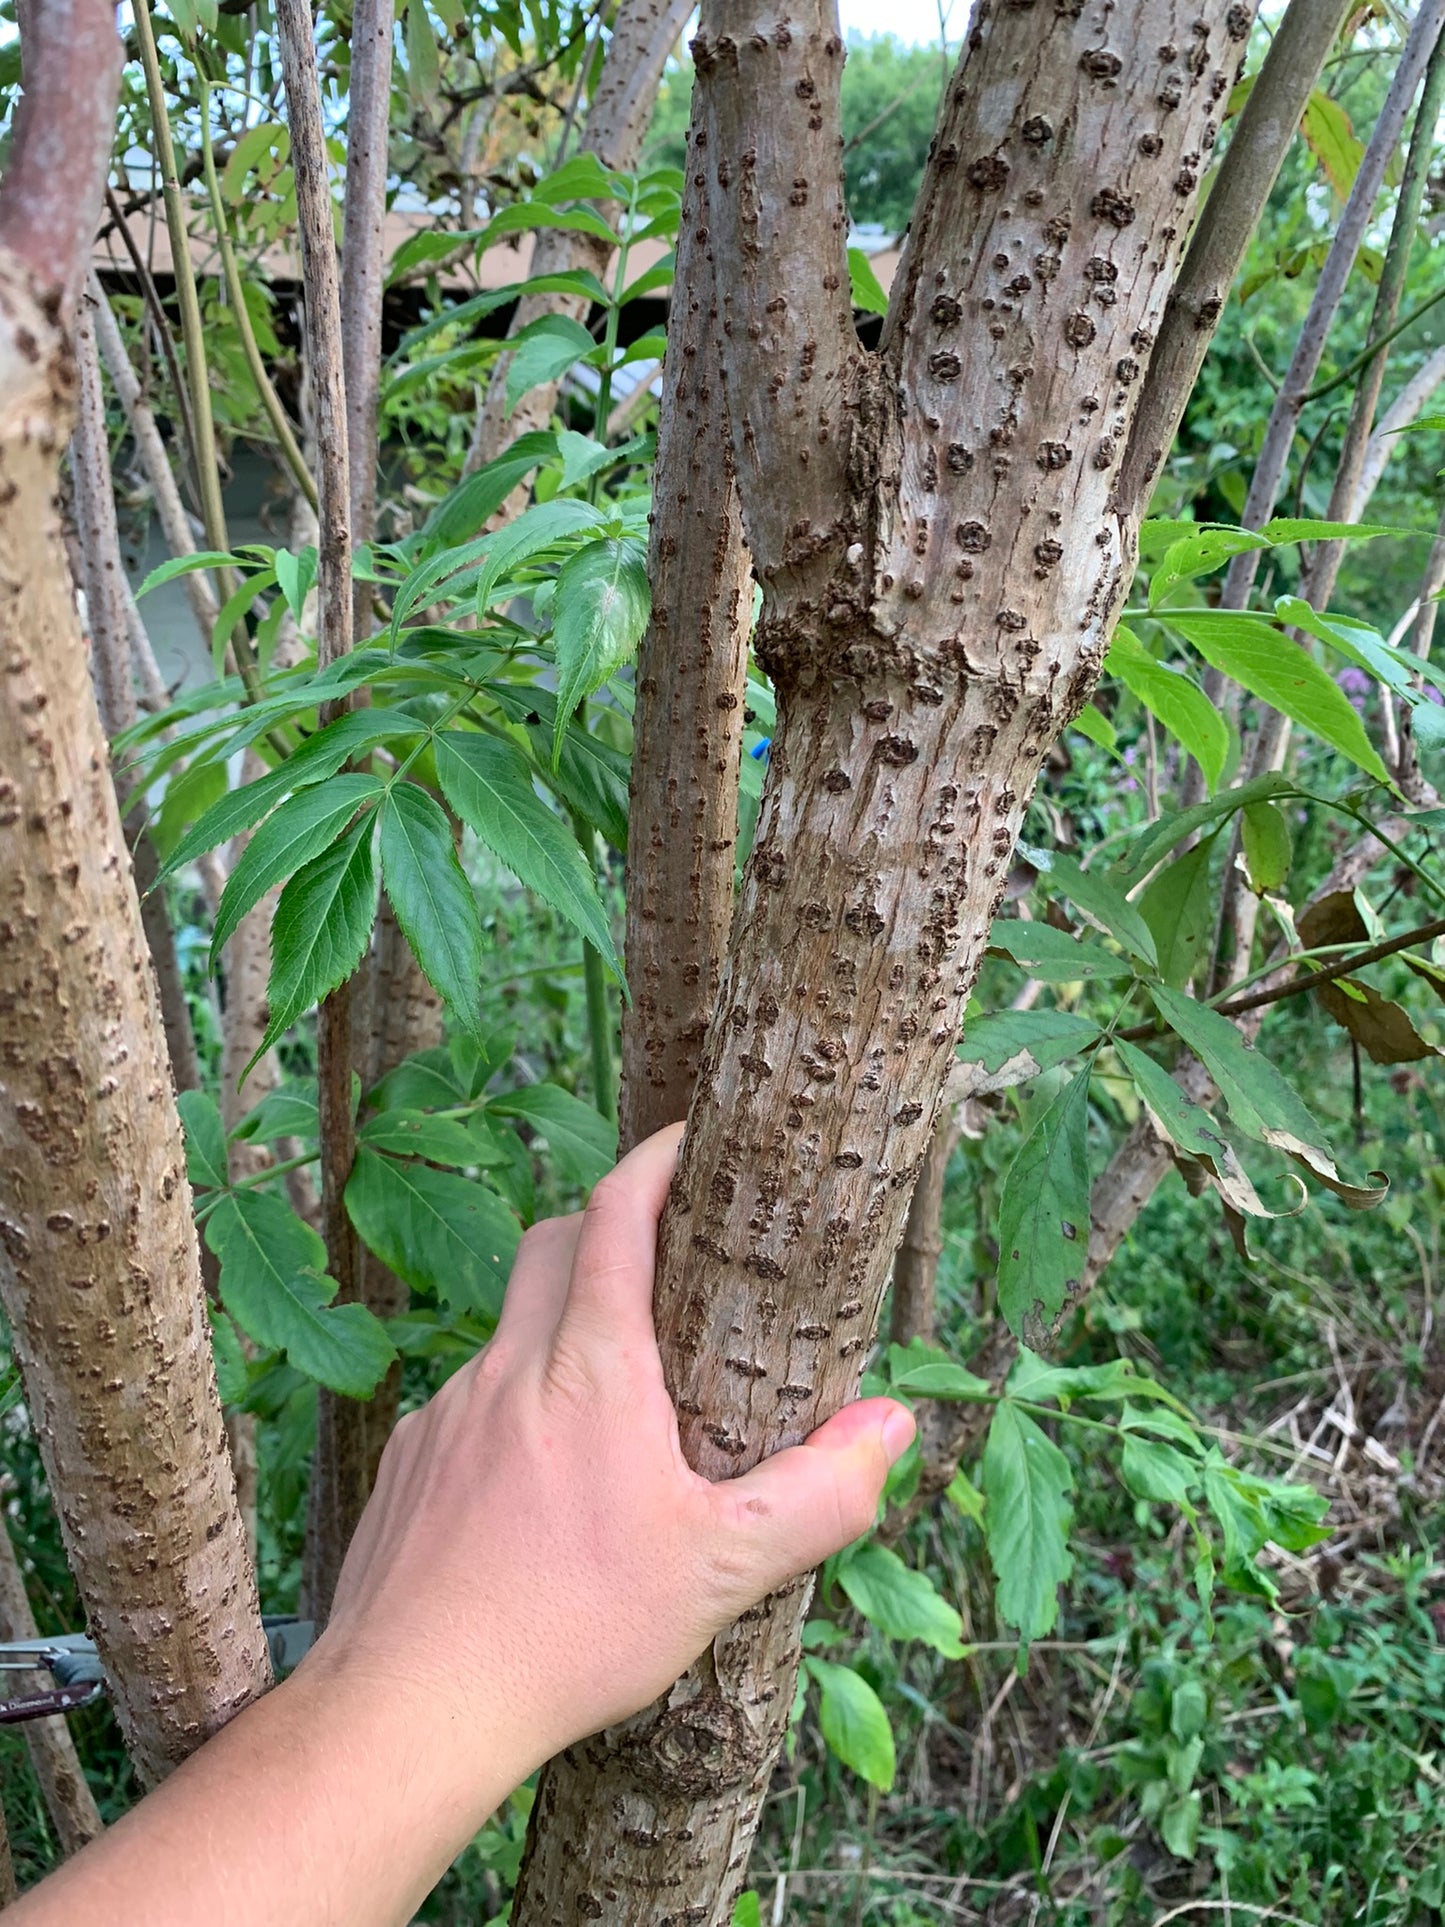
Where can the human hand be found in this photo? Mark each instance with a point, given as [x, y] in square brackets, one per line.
[538, 1553]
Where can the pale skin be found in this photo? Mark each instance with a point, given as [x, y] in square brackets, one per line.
[538, 1561]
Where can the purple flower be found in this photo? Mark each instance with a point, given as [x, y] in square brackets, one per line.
[1356, 685]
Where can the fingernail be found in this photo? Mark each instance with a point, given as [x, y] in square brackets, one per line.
[898, 1429]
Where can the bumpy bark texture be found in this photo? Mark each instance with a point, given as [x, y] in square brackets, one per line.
[103, 1287]
[941, 558]
[688, 727]
[63, 1785]
[644, 33]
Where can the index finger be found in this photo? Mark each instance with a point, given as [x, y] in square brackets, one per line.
[611, 1287]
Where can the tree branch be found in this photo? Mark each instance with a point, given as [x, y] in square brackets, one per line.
[688, 725]
[1248, 172]
[60, 150]
[1284, 416]
[363, 264]
[338, 1490]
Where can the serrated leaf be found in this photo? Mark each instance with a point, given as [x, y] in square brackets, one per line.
[434, 903]
[417, 1134]
[1156, 840]
[922, 1371]
[288, 1111]
[854, 1722]
[206, 1165]
[1280, 673]
[1268, 846]
[475, 499]
[1179, 908]
[1158, 1472]
[536, 530]
[581, 456]
[265, 137]
[901, 1601]
[591, 777]
[1052, 954]
[1015, 1045]
[1179, 704]
[179, 565]
[1103, 901]
[1043, 1230]
[318, 758]
[1330, 138]
[1260, 1101]
[602, 605]
[274, 1284]
[1192, 1130]
[582, 1142]
[296, 577]
[230, 1357]
[440, 1233]
[1198, 554]
[305, 825]
[189, 795]
[1026, 1484]
[489, 786]
[543, 351]
[321, 929]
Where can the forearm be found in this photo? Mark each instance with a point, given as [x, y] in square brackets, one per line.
[323, 1803]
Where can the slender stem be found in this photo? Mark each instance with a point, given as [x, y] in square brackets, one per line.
[208, 472]
[1373, 348]
[609, 339]
[152, 300]
[1357, 960]
[599, 1015]
[236, 295]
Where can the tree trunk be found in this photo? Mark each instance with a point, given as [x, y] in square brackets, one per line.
[688, 726]
[644, 33]
[63, 1785]
[103, 1284]
[942, 559]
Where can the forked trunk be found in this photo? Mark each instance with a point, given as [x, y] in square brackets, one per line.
[942, 557]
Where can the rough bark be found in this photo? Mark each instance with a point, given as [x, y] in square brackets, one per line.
[941, 561]
[8, 1889]
[644, 33]
[363, 264]
[103, 1288]
[102, 576]
[688, 724]
[913, 1306]
[63, 1785]
[1248, 172]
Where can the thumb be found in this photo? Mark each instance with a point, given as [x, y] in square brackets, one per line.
[797, 1508]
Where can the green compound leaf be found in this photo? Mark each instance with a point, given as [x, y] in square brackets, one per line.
[432, 898]
[321, 929]
[1026, 1483]
[301, 829]
[443, 1234]
[854, 1722]
[489, 786]
[900, 1601]
[274, 1284]
[1044, 1213]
